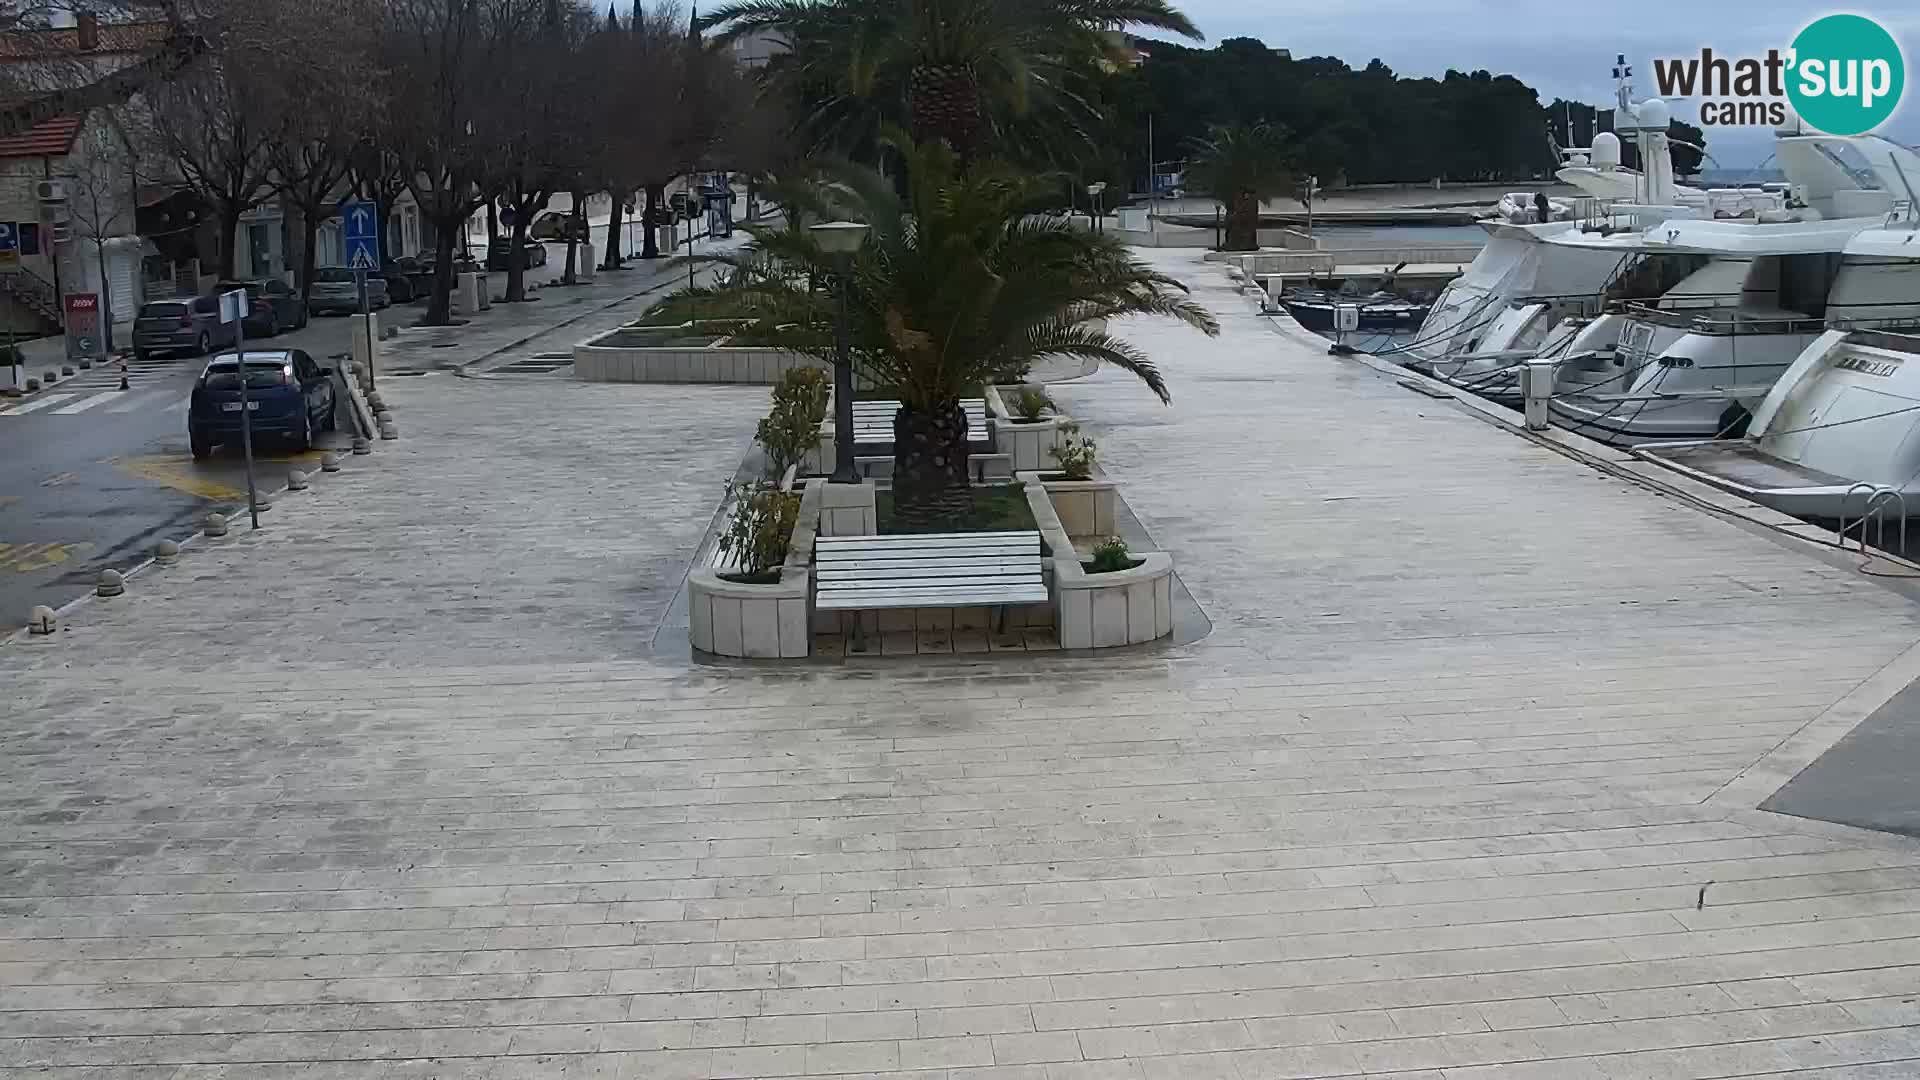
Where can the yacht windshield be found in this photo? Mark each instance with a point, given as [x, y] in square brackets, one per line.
[1851, 161]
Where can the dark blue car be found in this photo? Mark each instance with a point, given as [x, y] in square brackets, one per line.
[288, 396]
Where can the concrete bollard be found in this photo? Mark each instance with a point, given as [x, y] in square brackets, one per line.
[389, 429]
[215, 525]
[111, 584]
[262, 502]
[43, 620]
[165, 552]
[86, 365]
[362, 444]
[296, 480]
[67, 370]
[50, 376]
[376, 403]
[32, 385]
[330, 462]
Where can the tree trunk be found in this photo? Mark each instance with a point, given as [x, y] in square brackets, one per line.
[1243, 222]
[945, 99]
[493, 225]
[229, 237]
[440, 303]
[383, 212]
[106, 296]
[579, 214]
[517, 259]
[649, 238]
[612, 261]
[931, 487]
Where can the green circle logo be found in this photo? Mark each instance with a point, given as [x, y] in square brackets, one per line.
[1847, 74]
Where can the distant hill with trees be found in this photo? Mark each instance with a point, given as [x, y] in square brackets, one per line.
[1345, 125]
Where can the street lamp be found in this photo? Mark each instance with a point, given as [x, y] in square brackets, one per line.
[841, 239]
[1094, 191]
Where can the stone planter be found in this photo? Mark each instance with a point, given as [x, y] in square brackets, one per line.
[1101, 611]
[1028, 445]
[727, 618]
[1085, 507]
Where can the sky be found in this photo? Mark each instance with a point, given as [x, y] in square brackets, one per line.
[1561, 50]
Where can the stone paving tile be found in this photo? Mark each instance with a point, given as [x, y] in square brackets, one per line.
[403, 787]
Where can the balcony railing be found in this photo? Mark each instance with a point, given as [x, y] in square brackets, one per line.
[1737, 325]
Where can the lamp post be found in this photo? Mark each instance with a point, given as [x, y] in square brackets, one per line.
[841, 239]
[1094, 191]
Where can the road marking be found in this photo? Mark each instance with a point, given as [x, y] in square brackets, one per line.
[180, 475]
[131, 402]
[84, 404]
[27, 558]
[56, 479]
[35, 406]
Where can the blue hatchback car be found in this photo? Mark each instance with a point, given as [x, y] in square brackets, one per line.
[288, 396]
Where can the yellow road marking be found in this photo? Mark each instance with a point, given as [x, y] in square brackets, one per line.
[27, 558]
[170, 471]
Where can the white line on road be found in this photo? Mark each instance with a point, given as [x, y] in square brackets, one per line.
[86, 403]
[130, 402]
[35, 406]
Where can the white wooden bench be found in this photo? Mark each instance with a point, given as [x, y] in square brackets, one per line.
[873, 421]
[934, 570]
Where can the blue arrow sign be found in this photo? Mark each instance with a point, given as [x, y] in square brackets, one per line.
[362, 232]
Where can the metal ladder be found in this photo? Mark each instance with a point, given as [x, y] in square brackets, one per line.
[1878, 498]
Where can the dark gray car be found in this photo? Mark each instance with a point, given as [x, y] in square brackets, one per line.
[188, 326]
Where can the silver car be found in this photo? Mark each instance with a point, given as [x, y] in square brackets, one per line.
[334, 290]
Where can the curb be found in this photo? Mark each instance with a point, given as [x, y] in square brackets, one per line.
[466, 370]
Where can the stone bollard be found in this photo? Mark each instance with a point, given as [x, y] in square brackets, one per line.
[165, 552]
[389, 429]
[362, 445]
[215, 525]
[86, 365]
[111, 584]
[32, 385]
[43, 620]
[262, 502]
[377, 403]
[296, 480]
[50, 377]
[330, 462]
[67, 370]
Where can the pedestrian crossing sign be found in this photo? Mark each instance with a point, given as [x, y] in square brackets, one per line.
[362, 260]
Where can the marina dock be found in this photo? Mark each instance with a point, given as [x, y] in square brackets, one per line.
[1463, 783]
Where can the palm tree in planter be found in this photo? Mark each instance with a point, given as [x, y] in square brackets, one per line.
[955, 284]
[1243, 167]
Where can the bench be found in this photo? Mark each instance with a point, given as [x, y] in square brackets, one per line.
[934, 570]
[873, 420]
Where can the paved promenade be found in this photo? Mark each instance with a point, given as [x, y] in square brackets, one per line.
[1461, 787]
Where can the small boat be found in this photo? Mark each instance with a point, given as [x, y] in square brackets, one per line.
[1314, 309]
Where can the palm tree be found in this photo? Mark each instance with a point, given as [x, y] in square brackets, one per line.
[971, 72]
[1243, 167]
[956, 285]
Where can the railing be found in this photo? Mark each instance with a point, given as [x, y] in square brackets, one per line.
[36, 292]
[1879, 498]
[1881, 339]
[1737, 326]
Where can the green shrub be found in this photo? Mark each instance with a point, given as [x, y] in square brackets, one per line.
[1031, 403]
[792, 426]
[1076, 454]
[761, 527]
[1110, 557]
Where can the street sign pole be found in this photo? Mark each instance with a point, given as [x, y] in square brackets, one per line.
[362, 220]
[233, 308]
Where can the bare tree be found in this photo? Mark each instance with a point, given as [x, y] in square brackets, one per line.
[100, 181]
[442, 60]
[545, 127]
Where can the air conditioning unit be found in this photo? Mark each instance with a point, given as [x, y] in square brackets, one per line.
[50, 190]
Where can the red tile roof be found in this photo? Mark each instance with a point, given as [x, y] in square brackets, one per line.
[137, 37]
[50, 139]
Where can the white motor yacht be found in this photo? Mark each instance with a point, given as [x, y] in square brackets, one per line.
[1696, 366]
[1838, 436]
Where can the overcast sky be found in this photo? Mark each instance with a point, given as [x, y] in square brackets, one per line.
[1561, 50]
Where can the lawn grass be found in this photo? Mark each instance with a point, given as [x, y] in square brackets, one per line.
[1001, 508]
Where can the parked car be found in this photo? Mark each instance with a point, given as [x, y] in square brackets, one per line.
[501, 250]
[335, 290]
[558, 226]
[272, 306]
[287, 395]
[408, 279]
[188, 326]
